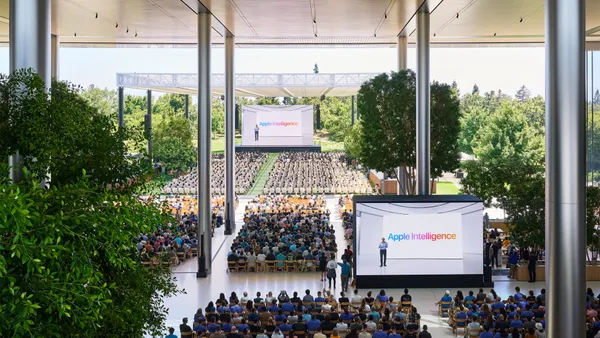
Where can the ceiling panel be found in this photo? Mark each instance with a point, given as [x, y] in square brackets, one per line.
[290, 22]
[350, 17]
[282, 18]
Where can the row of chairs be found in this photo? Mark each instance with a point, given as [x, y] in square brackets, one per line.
[193, 191]
[318, 190]
[273, 266]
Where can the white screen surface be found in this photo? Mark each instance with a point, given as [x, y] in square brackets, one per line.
[420, 255]
[270, 125]
[420, 237]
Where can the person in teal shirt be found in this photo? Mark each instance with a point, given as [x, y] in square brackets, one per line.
[280, 260]
[345, 274]
[171, 333]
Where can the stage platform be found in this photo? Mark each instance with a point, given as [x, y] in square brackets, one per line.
[276, 149]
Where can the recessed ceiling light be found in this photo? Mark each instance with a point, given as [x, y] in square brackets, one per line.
[75, 34]
[457, 15]
[521, 20]
[494, 34]
[96, 15]
[117, 25]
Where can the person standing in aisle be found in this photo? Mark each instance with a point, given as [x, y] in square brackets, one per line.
[331, 270]
[383, 252]
[532, 265]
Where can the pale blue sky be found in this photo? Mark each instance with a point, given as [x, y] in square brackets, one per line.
[492, 68]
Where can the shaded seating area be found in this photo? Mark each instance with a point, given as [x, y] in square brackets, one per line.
[247, 166]
[314, 173]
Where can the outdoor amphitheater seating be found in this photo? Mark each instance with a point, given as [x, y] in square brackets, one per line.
[314, 173]
[247, 166]
[283, 233]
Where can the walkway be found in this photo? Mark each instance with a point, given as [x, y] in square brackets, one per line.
[263, 175]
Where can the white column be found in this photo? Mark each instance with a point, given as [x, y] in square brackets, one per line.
[402, 48]
[565, 168]
[54, 55]
[229, 135]
[204, 150]
[29, 42]
[423, 104]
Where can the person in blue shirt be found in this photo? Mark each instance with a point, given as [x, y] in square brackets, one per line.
[527, 313]
[227, 326]
[498, 305]
[319, 298]
[313, 324]
[445, 299]
[236, 308]
[199, 317]
[258, 299]
[171, 333]
[199, 328]
[280, 316]
[486, 332]
[518, 295]
[376, 315]
[213, 326]
[469, 299]
[515, 323]
[383, 298]
[383, 252]
[393, 334]
[380, 333]
[345, 274]
[287, 307]
[346, 315]
[242, 326]
[285, 326]
[274, 308]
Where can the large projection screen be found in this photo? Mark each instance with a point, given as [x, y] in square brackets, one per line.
[428, 238]
[277, 125]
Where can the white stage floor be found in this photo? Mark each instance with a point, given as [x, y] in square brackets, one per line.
[201, 291]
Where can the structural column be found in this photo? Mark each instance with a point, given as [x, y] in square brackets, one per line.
[29, 47]
[204, 150]
[121, 100]
[352, 109]
[402, 47]
[565, 167]
[187, 107]
[149, 122]
[229, 135]
[54, 55]
[423, 101]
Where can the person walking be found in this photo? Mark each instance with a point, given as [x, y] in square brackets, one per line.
[383, 252]
[345, 274]
[331, 271]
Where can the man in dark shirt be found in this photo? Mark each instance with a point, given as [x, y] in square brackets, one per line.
[271, 256]
[424, 333]
[184, 327]
[481, 296]
[299, 327]
[233, 257]
[327, 324]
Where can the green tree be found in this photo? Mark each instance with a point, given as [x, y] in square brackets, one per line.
[352, 141]
[68, 266]
[475, 90]
[104, 100]
[596, 99]
[289, 100]
[523, 94]
[175, 154]
[218, 117]
[170, 104]
[268, 101]
[387, 106]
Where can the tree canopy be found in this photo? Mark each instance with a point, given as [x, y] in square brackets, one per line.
[388, 124]
[68, 261]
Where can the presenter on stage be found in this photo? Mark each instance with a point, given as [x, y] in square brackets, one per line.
[256, 129]
[383, 252]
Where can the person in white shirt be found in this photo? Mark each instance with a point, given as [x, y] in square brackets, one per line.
[331, 271]
[244, 299]
[356, 298]
[341, 326]
[364, 333]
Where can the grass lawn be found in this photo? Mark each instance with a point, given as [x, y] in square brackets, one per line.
[447, 188]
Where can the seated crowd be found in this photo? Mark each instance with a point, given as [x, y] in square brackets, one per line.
[171, 244]
[283, 228]
[314, 173]
[247, 166]
[487, 315]
[318, 315]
